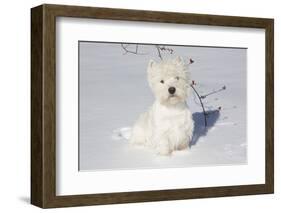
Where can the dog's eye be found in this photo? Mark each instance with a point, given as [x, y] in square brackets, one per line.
[178, 78]
[162, 81]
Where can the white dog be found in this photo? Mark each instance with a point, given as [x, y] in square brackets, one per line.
[167, 126]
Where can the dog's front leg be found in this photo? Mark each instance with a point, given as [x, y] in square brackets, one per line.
[163, 146]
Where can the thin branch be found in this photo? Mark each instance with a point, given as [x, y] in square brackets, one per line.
[163, 48]
[125, 48]
[213, 92]
[159, 52]
[202, 105]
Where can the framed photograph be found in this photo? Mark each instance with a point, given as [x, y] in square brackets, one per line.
[136, 106]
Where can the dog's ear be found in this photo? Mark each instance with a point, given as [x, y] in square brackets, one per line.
[179, 60]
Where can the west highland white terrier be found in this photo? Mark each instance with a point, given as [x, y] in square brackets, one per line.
[167, 125]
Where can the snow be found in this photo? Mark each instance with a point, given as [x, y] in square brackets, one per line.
[113, 91]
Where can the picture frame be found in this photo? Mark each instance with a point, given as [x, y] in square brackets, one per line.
[43, 105]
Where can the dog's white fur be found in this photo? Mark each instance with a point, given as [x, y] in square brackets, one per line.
[167, 126]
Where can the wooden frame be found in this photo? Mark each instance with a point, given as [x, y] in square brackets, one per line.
[43, 102]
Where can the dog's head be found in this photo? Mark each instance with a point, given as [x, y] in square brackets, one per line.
[169, 80]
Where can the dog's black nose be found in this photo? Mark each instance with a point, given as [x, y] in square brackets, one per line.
[172, 90]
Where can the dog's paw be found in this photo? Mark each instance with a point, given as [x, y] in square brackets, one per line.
[182, 146]
[163, 150]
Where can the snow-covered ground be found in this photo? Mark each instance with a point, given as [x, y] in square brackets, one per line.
[114, 91]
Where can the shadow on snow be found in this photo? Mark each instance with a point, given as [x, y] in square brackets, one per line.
[199, 124]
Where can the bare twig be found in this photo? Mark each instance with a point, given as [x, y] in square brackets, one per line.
[213, 92]
[163, 48]
[159, 52]
[136, 52]
[202, 105]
